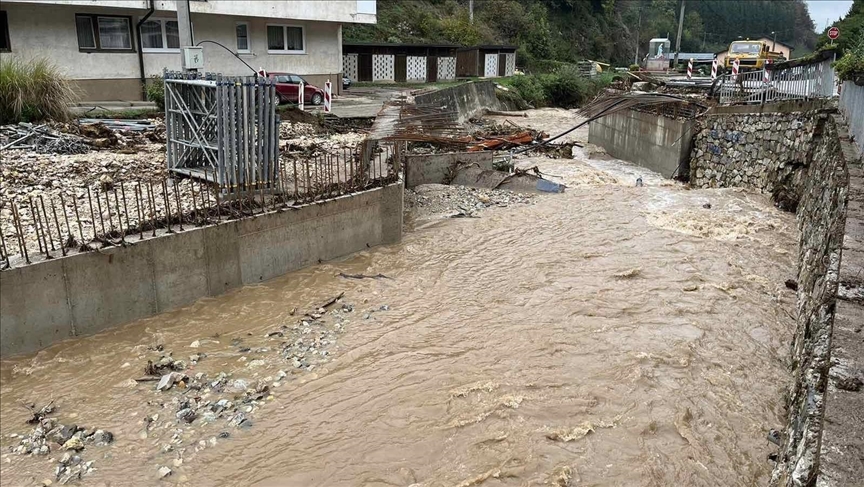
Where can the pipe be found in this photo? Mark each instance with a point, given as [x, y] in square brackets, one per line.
[141, 49]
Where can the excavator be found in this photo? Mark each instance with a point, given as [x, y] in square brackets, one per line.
[751, 55]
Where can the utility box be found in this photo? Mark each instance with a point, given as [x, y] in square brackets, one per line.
[193, 57]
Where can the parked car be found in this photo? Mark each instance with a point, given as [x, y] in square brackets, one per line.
[287, 88]
[346, 82]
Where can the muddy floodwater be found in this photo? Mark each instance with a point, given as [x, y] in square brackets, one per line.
[612, 335]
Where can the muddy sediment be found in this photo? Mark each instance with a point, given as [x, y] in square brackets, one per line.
[609, 335]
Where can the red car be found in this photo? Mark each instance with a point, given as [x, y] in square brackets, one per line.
[287, 85]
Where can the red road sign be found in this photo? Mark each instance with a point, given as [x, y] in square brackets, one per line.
[833, 33]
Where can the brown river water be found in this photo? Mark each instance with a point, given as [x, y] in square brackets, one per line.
[612, 335]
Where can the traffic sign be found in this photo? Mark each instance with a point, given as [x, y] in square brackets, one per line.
[833, 33]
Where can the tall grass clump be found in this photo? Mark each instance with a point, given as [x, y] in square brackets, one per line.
[33, 90]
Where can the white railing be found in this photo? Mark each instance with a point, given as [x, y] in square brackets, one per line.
[852, 106]
[765, 86]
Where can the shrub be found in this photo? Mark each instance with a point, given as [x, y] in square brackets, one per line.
[530, 88]
[155, 89]
[33, 91]
[564, 88]
[851, 65]
[634, 67]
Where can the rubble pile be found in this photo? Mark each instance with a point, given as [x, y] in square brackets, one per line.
[41, 140]
[311, 140]
[50, 435]
[79, 138]
[428, 200]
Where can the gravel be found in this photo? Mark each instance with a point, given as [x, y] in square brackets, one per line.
[429, 201]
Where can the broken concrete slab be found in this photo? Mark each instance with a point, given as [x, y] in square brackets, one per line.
[441, 168]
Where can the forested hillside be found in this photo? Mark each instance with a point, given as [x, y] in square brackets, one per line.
[604, 30]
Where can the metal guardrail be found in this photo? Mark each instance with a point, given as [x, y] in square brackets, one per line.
[852, 106]
[771, 85]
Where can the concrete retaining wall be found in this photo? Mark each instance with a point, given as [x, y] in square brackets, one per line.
[659, 143]
[469, 100]
[86, 293]
[440, 168]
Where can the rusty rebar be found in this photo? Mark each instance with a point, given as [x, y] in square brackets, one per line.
[3, 249]
[338, 178]
[195, 216]
[108, 209]
[179, 206]
[40, 228]
[19, 232]
[119, 216]
[47, 222]
[34, 213]
[99, 206]
[216, 191]
[167, 205]
[92, 214]
[66, 217]
[205, 198]
[57, 224]
[78, 219]
[138, 210]
[308, 180]
[150, 197]
[125, 208]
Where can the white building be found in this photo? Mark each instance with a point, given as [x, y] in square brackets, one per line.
[109, 46]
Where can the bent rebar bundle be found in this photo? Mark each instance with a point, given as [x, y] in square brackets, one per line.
[222, 129]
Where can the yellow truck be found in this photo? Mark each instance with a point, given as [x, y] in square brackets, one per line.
[751, 55]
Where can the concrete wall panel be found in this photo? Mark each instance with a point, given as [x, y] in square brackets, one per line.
[222, 248]
[659, 143]
[27, 327]
[180, 268]
[110, 287]
[437, 168]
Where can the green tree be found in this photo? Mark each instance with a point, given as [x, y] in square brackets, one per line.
[538, 39]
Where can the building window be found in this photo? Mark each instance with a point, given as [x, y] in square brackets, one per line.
[243, 37]
[160, 35]
[103, 33]
[286, 39]
[4, 32]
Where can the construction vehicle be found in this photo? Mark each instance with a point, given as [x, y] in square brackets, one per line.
[751, 55]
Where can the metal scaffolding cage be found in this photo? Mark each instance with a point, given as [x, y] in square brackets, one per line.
[223, 130]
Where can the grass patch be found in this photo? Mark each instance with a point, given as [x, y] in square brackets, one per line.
[32, 91]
